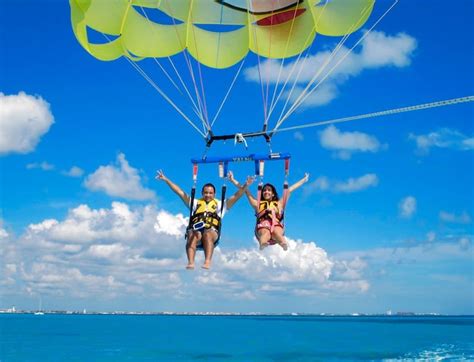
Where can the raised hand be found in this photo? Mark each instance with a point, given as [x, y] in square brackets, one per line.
[160, 175]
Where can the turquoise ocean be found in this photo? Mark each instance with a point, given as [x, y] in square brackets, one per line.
[55, 337]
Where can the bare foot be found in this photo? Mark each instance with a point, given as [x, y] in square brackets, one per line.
[190, 266]
[263, 245]
[284, 246]
[206, 265]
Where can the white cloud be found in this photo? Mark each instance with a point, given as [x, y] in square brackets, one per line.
[357, 184]
[377, 50]
[322, 183]
[407, 207]
[3, 233]
[121, 180]
[24, 119]
[74, 171]
[107, 253]
[45, 166]
[440, 249]
[347, 143]
[170, 224]
[348, 186]
[442, 138]
[463, 218]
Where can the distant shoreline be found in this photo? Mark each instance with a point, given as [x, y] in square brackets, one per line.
[229, 314]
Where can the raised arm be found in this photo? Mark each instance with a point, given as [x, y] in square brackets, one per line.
[175, 188]
[233, 199]
[252, 200]
[299, 183]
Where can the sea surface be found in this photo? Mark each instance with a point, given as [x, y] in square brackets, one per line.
[53, 337]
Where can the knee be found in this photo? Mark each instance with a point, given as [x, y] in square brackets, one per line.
[192, 240]
[209, 237]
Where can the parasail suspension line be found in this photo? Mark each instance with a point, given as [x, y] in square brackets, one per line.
[418, 107]
[163, 94]
[191, 72]
[196, 110]
[304, 95]
[227, 94]
[273, 102]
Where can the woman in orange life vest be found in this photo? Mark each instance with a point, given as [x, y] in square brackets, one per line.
[204, 227]
[269, 225]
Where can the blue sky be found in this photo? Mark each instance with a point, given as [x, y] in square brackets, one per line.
[385, 222]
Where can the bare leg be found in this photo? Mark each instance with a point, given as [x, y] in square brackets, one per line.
[263, 236]
[208, 239]
[193, 238]
[278, 236]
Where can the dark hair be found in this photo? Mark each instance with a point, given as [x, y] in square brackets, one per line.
[275, 193]
[208, 185]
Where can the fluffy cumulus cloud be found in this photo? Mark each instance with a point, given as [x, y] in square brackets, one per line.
[119, 180]
[324, 184]
[344, 144]
[440, 249]
[407, 207]
[112, 252]
[333, 69]
[24, 119]
[442, 138]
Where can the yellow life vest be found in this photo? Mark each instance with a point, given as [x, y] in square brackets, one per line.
[265, 211]
[208, 213]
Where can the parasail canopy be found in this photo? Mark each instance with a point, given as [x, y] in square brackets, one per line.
[216, 33]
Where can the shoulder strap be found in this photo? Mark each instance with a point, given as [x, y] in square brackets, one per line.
[224, 189]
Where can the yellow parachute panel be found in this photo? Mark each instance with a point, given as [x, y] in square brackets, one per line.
[129, 33]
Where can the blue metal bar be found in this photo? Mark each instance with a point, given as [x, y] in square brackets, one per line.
[276, 156]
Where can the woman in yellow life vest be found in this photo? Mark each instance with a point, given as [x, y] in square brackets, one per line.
[268, 207]
[205, 224]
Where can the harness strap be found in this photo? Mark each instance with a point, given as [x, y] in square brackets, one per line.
[259, 197]
[224, 189]
[193, 194]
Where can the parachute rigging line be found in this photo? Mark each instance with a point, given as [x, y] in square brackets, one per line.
[274, 102]
[228, 92]
[323, 67]
[414, 108]
[196, 109]
[161, 92]
[258, 66]
[304, 95]
[267, 91]
[281, 67]
[203, 92]
[190, 69]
